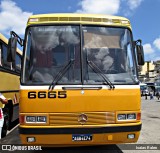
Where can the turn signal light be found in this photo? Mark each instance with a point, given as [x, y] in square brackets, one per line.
[21, 119]
[138, 116]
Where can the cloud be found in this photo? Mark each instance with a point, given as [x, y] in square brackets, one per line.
[133, 4]
[129, 6]
[99, 6]
[12, 17]
[156, 43]
[148, 49]
[112, 7]
[151, 51]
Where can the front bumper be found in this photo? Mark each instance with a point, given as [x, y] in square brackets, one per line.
[63, 136]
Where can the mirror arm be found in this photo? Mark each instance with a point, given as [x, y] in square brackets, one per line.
[19, 39]
[138, 41]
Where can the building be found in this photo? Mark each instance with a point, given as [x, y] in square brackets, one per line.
[148, 72]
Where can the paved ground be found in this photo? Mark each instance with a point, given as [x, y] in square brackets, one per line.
[150, 133]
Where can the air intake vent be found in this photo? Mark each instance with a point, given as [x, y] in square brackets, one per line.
[53, 19]
[63, 18]
[83, 19]
[105, 20]
[86, 19]
[74, 19]
[43, 19]
[116, 21]
[97, 20]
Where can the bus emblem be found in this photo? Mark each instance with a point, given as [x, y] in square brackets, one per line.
[82, 118]
[82, 92]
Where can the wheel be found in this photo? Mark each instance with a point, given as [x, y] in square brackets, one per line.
[5, 125]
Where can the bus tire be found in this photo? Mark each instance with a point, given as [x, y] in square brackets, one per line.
[5, 125]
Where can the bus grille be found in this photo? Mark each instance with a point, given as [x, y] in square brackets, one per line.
[64, 119]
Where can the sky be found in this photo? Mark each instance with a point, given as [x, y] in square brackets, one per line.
[144, 16]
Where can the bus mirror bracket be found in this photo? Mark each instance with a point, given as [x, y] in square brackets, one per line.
[12, 46]
[140, 52]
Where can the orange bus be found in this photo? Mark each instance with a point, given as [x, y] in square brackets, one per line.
[79, 80]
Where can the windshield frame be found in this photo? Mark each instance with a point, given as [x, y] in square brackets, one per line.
[81, 48]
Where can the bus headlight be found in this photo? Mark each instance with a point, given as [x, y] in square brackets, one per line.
[30, 119]
[121, 116]
[36, 119]
[126, 117]
[41, 119]
[131, 116]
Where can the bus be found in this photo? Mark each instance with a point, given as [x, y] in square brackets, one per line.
[151, 87]
[79, 80]
[10, 82]
[144, 89]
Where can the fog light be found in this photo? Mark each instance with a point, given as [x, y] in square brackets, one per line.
[31, 139]
[131, 136]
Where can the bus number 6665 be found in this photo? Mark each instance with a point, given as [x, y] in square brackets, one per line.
[44, 94]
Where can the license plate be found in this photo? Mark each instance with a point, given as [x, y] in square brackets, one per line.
[81, 137]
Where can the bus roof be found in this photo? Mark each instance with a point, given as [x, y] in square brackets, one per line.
[79, 18]
[5, 40]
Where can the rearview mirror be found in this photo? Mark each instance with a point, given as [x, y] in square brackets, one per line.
[11, 52]
[140, 52]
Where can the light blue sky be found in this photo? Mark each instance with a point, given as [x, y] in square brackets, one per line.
[143, 14]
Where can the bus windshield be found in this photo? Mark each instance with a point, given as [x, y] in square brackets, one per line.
[50, 48]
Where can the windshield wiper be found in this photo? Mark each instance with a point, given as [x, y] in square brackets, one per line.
[98, 71]
[61, 74]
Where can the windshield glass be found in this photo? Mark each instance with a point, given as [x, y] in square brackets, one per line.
[110, 49]
[50, 48]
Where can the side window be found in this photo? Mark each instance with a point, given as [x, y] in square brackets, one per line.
[5, 64]
[0, 54]
[18, 62]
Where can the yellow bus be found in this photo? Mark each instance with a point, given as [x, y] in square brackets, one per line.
[79, 80]
[9, 84]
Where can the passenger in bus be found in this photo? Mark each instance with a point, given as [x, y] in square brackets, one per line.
[3, 100]
[59, 53]
[40, 69]
[43, 57]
